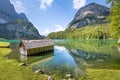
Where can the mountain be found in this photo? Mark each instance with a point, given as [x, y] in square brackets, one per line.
[14, 25]
[90, 14]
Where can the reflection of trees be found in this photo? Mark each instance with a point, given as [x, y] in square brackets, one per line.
[80, 55]
[96, 53]
[95, 60]
[82, 58]
[80, 62]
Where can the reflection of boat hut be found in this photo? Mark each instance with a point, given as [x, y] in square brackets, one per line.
[31, 47]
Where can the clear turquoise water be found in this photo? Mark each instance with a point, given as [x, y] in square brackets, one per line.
[11, 41]
[75, 56]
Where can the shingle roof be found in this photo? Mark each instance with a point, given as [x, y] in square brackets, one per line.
[36, 43]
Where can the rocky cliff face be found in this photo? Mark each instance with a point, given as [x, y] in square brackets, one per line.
[90, 14]
[14, 25]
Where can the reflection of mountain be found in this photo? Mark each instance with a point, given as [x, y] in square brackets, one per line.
[62, 62]
[84, 59]
[93, 60]
[85, 56]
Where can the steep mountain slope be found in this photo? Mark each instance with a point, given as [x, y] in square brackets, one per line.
[14, 25]
[90, 14]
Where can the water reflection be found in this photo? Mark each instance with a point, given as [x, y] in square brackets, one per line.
[83, 56]
[35, 58]
[62, 62]
[94, 53]
[75, 57]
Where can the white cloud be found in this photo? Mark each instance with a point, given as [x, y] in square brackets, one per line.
[56, 29]
[18, 5]
[59, 28]
[46, 32]
[77, 4]
[45, 3]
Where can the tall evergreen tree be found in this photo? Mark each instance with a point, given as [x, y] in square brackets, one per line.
[114, 18]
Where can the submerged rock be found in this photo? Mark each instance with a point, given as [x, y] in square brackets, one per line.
[71, 79]
[50, 77]
[22, 64]
[68, 75]
[39, 71]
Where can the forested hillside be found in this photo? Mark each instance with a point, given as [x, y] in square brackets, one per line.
[101, 31]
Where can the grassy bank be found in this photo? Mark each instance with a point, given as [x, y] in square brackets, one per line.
[89, 32]
[4, 44]
[101, 74]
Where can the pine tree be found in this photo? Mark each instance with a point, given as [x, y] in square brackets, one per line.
[114, 18]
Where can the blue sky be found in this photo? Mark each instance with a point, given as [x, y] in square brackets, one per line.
[51, 15]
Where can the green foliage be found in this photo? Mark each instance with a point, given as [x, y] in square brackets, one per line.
[114, 18]
[89, 32]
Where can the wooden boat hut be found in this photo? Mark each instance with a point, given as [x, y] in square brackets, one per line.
[31, 47]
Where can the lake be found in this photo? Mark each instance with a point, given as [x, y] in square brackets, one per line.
[74, 57]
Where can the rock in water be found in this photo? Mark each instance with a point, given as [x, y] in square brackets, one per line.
[22, 64]
[50, 77]
[14, 25]
[68, 75]
[39, 71]
[90, 14]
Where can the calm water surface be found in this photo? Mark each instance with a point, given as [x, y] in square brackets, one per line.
[75, 56]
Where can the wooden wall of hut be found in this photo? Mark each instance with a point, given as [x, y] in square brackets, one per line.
[39, 50]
